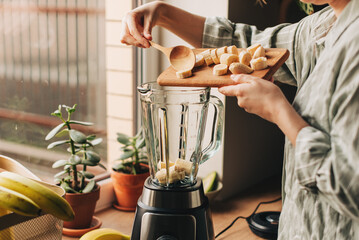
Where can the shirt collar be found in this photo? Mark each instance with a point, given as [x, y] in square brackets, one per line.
[347, 16]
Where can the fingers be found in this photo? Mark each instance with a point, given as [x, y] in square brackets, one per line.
[243, 78]
[234, 90]
[131, 32]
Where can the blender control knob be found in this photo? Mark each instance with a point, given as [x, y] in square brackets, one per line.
[166, 237]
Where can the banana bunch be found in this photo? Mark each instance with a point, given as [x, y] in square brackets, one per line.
[27, 197]
[105, 234]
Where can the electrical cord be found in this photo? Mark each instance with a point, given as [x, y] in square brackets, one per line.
[241, 217]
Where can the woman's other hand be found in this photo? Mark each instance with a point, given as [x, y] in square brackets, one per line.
[137, 25]
[265, 99]
[256, 95]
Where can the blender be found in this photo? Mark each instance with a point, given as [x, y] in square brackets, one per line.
[173, 205]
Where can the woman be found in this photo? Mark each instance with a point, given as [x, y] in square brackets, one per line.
[321, 170]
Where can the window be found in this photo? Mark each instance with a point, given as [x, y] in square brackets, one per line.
[52, 52]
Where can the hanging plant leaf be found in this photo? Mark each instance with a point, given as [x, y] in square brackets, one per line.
[81, 123]
[96, 141]
[88, 175]
[77, 136]
[54, 131]
[88, 163]
[102, 166]
[74, 160]
[89, 186]
[57, 143]
[57, 175]
[123, 138]
[59, 163]
[127, 154]
[93, 157]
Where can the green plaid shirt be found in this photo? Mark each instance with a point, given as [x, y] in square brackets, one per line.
[321, 173]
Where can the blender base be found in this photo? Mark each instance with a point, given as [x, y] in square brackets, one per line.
[172, 214]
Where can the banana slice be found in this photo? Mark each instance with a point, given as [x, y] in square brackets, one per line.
[162, 165]
[245, 57]
[173, 176]
[206, 54]
[259, 63]
[232, 49]
[184, 74]
[253, 48]
[214, 56]
[238, 68]
[260, 52]
[199, 60]
[220, 69]
[209, 61]
[221, 51]
[183, 165]
[228, 58]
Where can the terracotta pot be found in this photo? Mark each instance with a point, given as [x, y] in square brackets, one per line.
[83, 205]
[128, 188]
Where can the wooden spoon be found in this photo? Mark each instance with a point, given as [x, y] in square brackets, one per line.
[180, 57]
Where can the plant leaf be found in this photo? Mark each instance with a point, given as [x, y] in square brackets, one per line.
[88, 175]
[93, 156]
[127, 154]
[64, 132]
[140, 143]
[89, 186]
[91, 137]
[57, 175]
[67, 188]
[59, 163]
[74, 160]
[101, 165]
[96, 141]
[123, 138]
[118, 167]
[57, 143]
[81, 123]
[54, 131]
[78, 136]
[88, 163]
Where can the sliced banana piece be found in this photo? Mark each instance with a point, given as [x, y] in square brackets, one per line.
[228, 58]
[220, 69]
[221, 51]
[214, 56]
[259, 63]
[174, 175]
[183, 165]
[162, 165]
[232, 49]
[206, 53]
[251, 49]
[245, 57]
[260, 52]
[199, 60]
[238, 68]
[184, 74]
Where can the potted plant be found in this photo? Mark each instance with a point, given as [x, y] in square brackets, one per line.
[130, 171]
[82, 192]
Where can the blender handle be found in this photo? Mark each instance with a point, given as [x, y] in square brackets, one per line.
[217, 129]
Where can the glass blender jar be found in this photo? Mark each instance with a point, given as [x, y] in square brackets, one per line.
[174, 123]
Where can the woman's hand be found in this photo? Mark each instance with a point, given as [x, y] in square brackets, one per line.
[265, 99]
[137, 25]
[256, 95]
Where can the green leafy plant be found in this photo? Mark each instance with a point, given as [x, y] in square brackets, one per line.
[134, 154]
[80, 147]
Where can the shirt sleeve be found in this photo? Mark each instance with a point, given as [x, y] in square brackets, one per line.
[297, 38]
[329, 163]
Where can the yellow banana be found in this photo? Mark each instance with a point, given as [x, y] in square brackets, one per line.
[48, 200]
[8, 232]
[18, 203]
[105, 234]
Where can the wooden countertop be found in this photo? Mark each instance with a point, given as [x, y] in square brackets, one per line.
[223, 213]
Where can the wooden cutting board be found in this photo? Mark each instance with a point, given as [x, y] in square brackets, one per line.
[203, 76]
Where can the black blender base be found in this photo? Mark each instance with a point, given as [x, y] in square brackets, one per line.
[170, 223]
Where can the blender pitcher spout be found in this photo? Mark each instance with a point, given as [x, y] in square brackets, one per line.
[217, 130]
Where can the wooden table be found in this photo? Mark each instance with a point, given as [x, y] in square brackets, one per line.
[223, 213]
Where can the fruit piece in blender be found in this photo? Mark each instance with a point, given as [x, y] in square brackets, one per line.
[183, 165]
[162, 165]
[173, 175]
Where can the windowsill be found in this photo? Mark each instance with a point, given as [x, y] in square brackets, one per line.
[223, 213]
